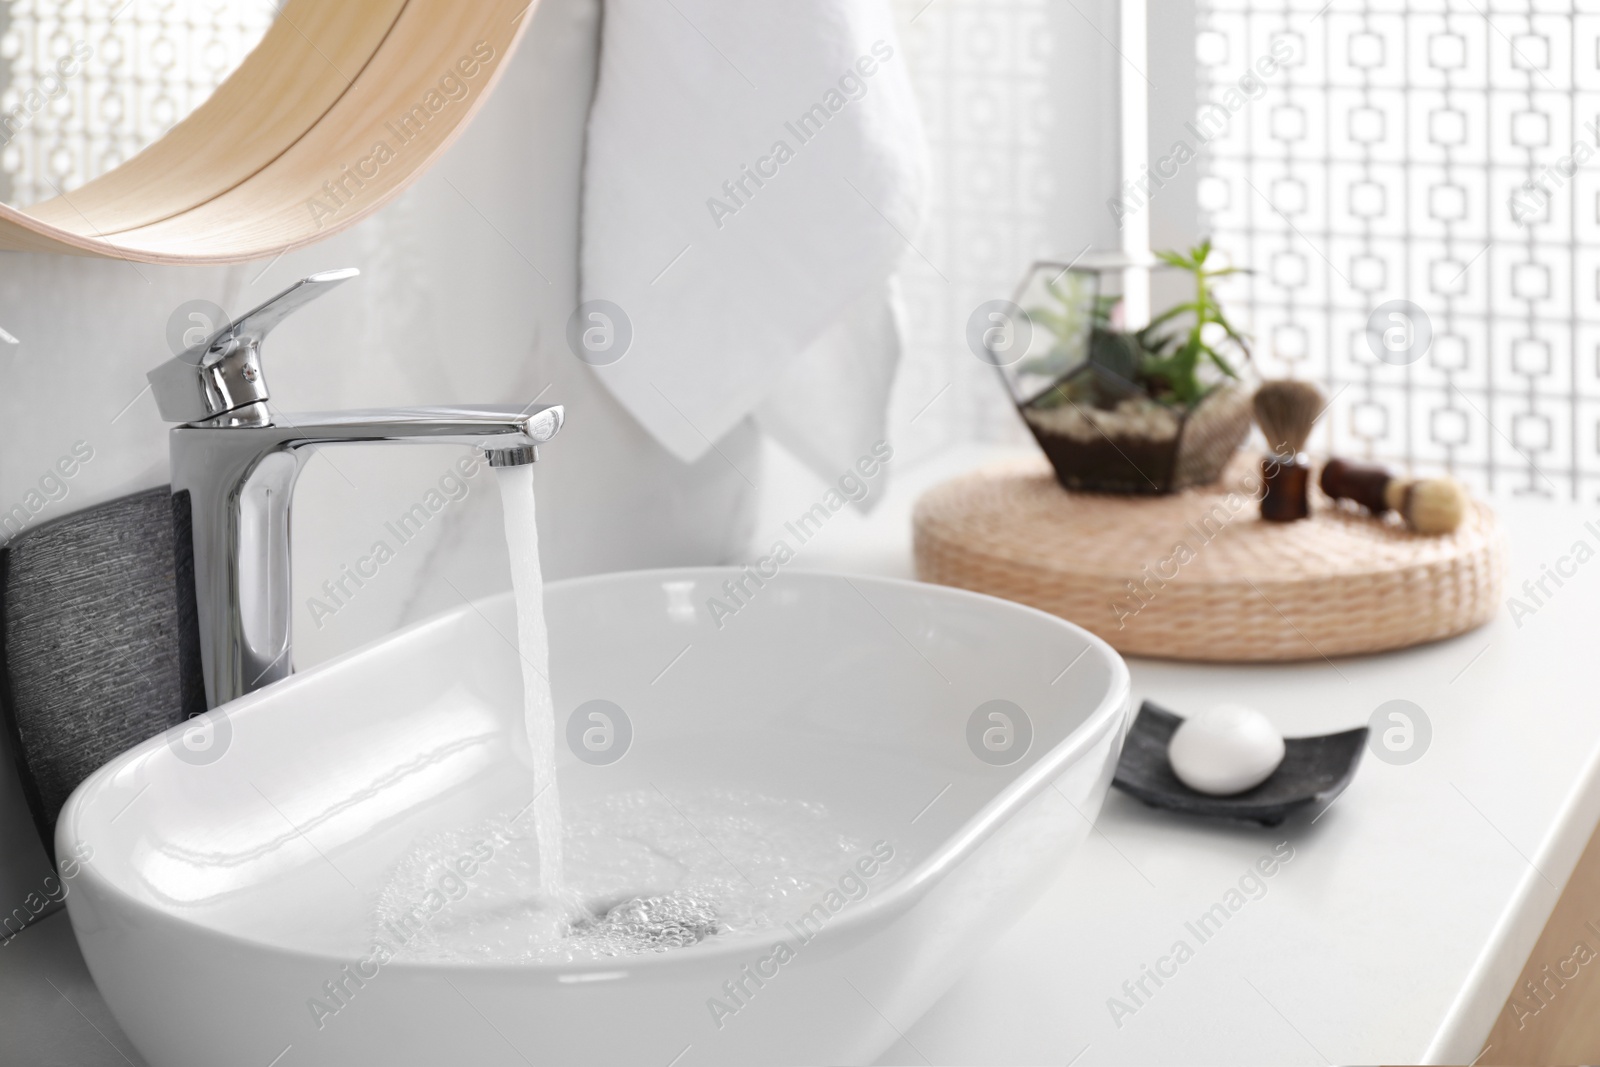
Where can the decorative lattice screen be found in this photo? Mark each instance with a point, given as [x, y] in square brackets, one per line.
[983, 74]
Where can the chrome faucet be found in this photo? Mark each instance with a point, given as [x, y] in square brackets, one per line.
[234, 466]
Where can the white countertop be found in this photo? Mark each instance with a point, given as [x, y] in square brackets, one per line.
[1395, 932]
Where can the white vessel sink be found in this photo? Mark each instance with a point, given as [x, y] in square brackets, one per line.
[229, 882]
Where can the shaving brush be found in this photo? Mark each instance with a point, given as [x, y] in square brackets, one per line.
[1428, 505]
[1286, 410]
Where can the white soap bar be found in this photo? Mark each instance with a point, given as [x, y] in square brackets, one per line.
[1226, 750]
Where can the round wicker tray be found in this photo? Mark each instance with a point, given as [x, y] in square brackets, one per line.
[1197, 575]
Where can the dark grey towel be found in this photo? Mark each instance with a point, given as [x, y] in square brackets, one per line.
[95, 653]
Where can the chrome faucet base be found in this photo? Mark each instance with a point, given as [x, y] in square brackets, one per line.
[238, 466]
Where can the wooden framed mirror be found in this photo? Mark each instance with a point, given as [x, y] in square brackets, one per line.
[336, 108]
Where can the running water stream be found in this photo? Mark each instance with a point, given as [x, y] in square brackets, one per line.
[533, 646]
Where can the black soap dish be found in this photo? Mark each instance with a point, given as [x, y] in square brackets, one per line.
[1314, 769]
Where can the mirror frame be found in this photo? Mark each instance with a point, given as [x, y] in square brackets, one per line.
[341, 106]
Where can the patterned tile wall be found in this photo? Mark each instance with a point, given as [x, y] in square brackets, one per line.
[985, 75]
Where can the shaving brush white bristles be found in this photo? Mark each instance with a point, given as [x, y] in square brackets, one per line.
[1428, 505]
[1286, 410]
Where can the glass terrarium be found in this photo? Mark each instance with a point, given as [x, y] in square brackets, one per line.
[1120, 410]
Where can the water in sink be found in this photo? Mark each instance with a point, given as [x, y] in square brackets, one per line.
[630, 873]
[645, 873]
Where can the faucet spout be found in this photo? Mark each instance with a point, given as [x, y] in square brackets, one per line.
[487, 427]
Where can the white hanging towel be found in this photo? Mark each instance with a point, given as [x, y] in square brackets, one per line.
[754, 174]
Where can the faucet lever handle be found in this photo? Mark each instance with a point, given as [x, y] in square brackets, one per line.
[223, 372]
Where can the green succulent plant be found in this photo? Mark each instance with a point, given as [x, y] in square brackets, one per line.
[1067, 322]
[1175, 359]
[1163, 360]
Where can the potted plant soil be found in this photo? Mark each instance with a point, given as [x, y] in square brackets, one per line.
[1151, 410]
